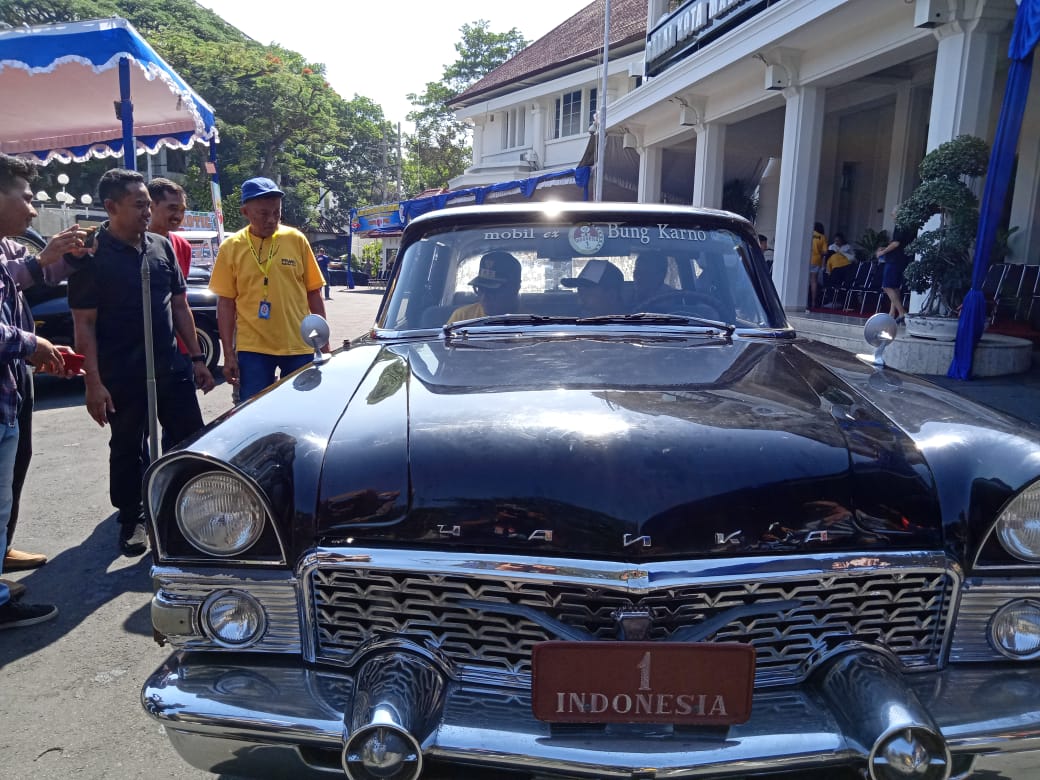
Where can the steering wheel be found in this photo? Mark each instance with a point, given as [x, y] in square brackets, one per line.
[688, 302]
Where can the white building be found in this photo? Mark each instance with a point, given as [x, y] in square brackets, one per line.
[829, 105]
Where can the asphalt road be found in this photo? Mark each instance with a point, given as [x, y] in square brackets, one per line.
[69, 689]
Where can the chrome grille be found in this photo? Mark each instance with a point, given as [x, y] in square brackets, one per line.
[903, 610]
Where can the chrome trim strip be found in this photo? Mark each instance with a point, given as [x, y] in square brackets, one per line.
[633, 576]
[172, 462]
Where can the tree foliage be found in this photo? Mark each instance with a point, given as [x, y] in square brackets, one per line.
[276, 113]
[439, 148]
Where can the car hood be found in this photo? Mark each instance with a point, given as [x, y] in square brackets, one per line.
[633, 449]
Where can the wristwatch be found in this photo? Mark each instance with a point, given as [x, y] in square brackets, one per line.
[198, 358]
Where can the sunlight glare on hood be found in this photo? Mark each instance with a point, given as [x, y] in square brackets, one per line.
[584, 423]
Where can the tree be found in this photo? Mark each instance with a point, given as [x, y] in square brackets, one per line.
[276, 113]
[438, 150]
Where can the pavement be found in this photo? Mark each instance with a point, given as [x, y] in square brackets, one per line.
[1015, 394]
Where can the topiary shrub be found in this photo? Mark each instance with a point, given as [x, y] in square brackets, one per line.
[944, 254]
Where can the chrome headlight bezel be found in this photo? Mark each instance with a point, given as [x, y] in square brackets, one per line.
[1001, 615]
[222, 487]
[210, 627]
[1018, 526]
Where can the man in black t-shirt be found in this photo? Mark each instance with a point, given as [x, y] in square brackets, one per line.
[108, 313]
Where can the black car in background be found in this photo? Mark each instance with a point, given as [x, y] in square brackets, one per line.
[50, 309]
[615, 518]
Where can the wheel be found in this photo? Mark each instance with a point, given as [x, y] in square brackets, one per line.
[209, 344]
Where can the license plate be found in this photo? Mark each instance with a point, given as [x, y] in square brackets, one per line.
[683, 683]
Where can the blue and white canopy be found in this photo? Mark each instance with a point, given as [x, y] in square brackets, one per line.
[59, 83]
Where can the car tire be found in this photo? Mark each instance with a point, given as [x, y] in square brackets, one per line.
[209, 344]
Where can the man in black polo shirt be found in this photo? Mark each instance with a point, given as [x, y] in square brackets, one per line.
[105, 298]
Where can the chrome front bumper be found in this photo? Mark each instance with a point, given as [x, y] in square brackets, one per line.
[272, 717]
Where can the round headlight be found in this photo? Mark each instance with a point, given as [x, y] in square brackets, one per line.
[233, 619]
[1015, 630]
[219, 514]
[1018, 526]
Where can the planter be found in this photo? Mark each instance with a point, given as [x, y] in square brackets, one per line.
[928, 327]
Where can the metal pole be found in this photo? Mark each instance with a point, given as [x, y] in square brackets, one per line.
[601, 108]
[126, 116]
[149, 360]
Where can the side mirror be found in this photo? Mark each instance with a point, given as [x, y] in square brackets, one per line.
[879, 331]
[315, 331]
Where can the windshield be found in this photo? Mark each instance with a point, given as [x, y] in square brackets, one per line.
[585, 272]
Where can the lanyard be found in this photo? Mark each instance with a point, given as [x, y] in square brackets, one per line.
[266, 264]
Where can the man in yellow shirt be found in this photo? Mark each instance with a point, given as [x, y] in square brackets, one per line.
[268, 281]
[497, 286]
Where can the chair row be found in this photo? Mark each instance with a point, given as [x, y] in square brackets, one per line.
[1012, 292]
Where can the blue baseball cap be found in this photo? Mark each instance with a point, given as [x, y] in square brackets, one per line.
[258, 188]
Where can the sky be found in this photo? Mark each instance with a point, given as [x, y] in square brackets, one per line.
[383, 51]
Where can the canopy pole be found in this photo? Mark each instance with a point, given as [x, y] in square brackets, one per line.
[214, 190]
[126, 115]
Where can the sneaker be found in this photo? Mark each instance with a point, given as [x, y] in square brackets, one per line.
[16, 560]
[133, 539]
[15, 614]
[16, 589]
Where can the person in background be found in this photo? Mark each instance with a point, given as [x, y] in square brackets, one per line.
[839, 261]
[767, 253]
[322, 260]
[894, 259]
[497, 285]
[105, 297]
[17, 346]
[648, 277]
[169, 202]
[817, 250]
[268, 281]
[599, 287]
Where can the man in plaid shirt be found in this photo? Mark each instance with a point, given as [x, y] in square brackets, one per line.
[16, 346]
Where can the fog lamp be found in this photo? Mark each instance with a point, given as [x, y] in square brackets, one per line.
[1018, 526]
[232, 618]
[1015, 630]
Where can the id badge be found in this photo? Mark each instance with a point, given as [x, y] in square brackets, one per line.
[265, 310]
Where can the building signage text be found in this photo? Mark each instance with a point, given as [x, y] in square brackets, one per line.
[692, 25]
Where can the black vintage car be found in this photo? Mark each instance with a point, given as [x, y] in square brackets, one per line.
[583, 504]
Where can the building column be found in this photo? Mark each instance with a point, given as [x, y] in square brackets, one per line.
[538, 132]
[709, 162]
[799, 182]
[649, 174]
[1025, 204]
[965, 68]
[900, 175]
[478, 143]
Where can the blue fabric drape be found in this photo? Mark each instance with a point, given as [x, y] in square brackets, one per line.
[1024, 38]
[526, 187]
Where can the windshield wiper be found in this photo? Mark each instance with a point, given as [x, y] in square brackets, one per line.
[506, 319]
[658, 319]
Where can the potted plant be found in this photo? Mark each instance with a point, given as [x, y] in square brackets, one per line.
[944, 254]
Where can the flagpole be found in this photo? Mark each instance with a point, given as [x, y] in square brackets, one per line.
[601, 108]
